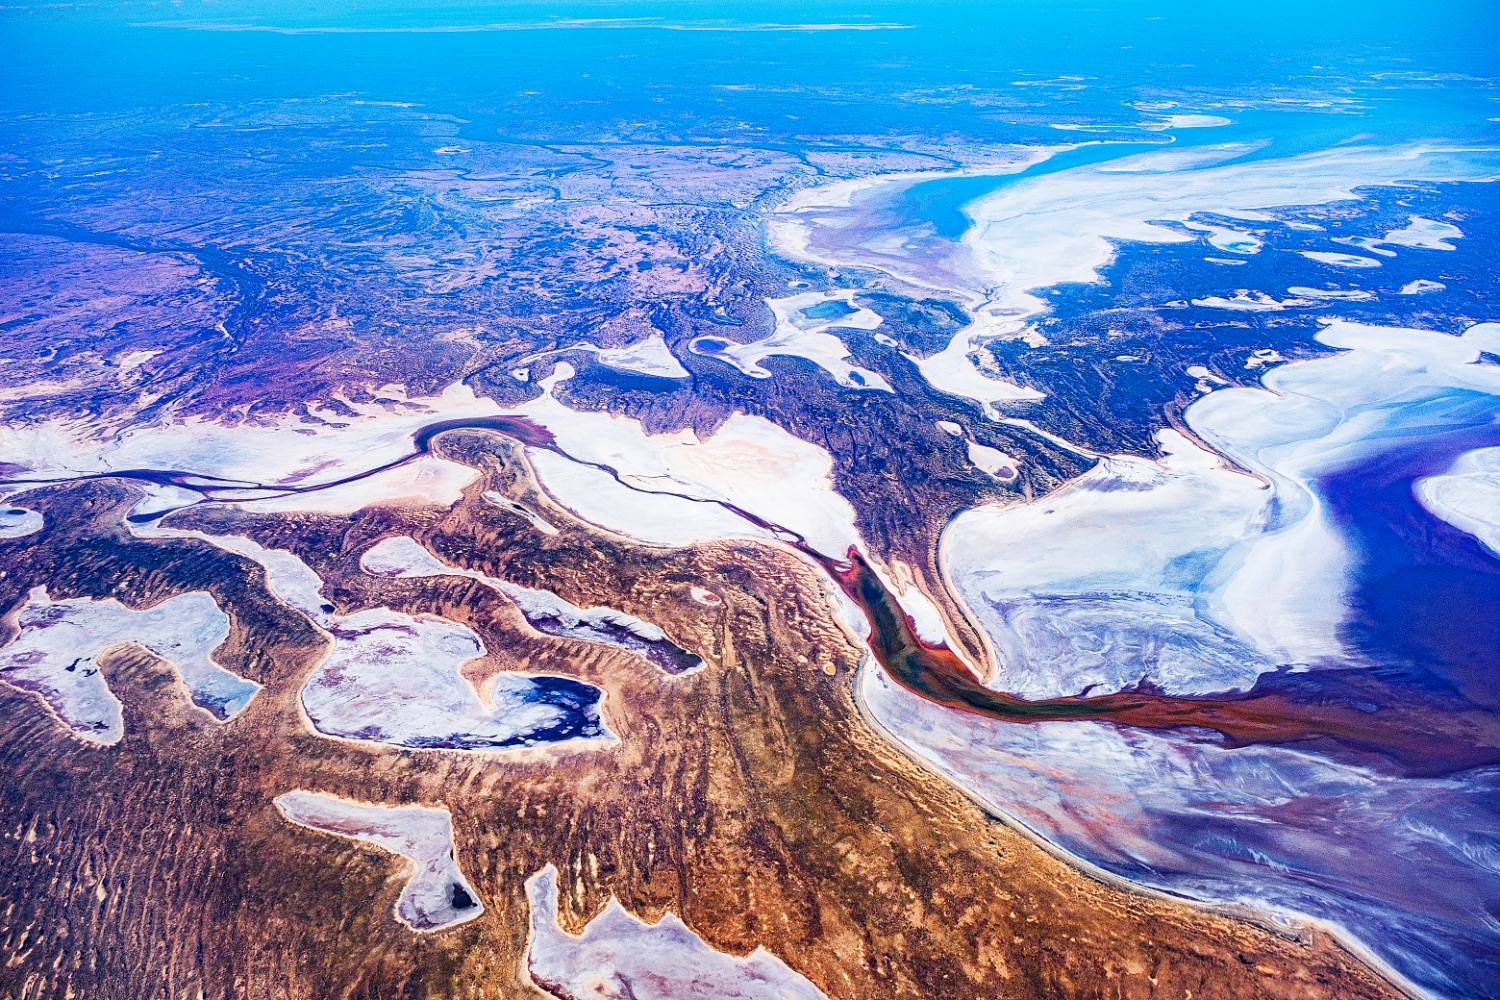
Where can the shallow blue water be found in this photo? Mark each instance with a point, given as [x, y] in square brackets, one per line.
[940, 203]
[1392, 833]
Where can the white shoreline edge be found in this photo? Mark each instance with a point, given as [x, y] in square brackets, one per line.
[410, 869]
[1266, 918]
[602, 741]
[185, 691]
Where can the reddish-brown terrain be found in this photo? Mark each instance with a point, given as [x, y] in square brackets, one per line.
[750, 797]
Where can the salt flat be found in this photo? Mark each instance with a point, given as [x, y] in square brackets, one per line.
[436, 895]
[619, 955]
[55, 656]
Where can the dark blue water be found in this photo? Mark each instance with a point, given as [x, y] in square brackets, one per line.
[1400, 845]
[577, 705]
[1411, 863]
[1427, 608]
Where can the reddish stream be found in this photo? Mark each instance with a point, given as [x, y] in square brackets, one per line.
[1421, 738]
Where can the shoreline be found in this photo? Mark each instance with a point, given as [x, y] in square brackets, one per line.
[1295, 922]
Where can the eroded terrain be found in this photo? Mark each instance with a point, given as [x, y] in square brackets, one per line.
[756, 774]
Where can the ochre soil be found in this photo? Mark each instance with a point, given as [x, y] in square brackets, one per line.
[749, 797]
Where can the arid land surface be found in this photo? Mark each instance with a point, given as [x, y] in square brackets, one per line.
[750, 798]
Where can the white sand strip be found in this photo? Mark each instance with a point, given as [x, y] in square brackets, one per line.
[748, 462]
[1197, 578]
[279, 451]
[1467, 496]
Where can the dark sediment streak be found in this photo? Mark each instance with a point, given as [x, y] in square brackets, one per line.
[1420, 738]
[517, 428]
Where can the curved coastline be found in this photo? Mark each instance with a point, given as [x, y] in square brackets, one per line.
[1344, 172]
[1283, 922]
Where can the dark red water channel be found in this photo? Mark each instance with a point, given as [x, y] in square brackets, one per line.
[1419, 738]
